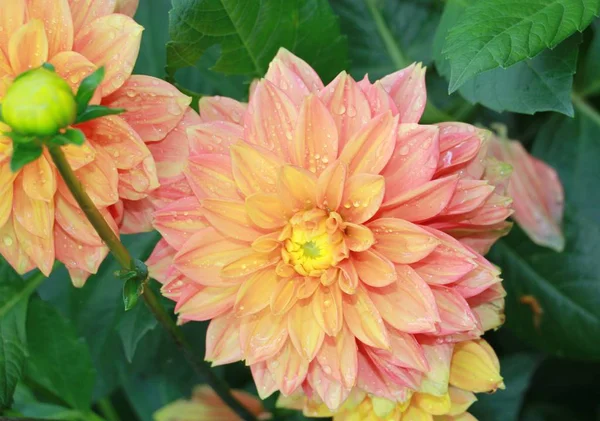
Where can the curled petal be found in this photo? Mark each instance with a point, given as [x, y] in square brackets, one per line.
[362, 197]
[364, 320]
[28, 46]
[401, 241]
[218, 108]
[374, 269]
[348, 106]
[254, 169]
[305, 332]
[407, 89]
[112, 41]
[136, 183]
[379, 100]
[315, 142]
[153, 107]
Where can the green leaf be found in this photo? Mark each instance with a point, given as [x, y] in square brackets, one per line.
[28, 406]
[589, 77]
[86, 89]
[97, 111]
[134, 325]
[504, 405]
[567, 285]
[500, 33]
[59, 360]
[249, 34]
[543, 83]
[71, 136]
[14, 296]
[24, 153]
[387, 35]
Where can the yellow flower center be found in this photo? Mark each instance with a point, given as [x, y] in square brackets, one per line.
[313, 242]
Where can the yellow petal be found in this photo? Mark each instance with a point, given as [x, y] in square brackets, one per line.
[296, 187]
[330, 186]
[363, 195]
[12, 16]
[284, 296]
[230, 218]
[475, 367]
[327, 309]
[254, 293]
[434, 405]
[254, 169]
[56, 16]
[414, 413]
[34, 215]
[461, 400]
[39, 180]
[250, 263]
[28, 47]
[267, 210]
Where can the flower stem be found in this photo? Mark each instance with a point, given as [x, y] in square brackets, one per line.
[124, 258]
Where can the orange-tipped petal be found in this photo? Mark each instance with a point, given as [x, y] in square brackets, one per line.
[270, 118]
[358, 237]
[330, 186]
[28, 46]
[178, 221]
[362, 197]
[407, 304]
[230, 218]
[293, 76]
[315, 142]
[153, 107]
[364, 320]
[414, 160]
[370, 149]
[305, 332]
[12, 16]
[218, 108]
[296, 188]
[57, 21]
[288, 368]
[348, 106]
[374, 269]
[266, 210]
[407, 89]
[73, 221]
[254, 169]
[39, 180]
[538, 197]
[401, 241]
[39, 250]
[253, 295]
[76, 255]
[210, 176]
[327, 309]
[285, 295]
[475, 367]
[223, 341]
[422, 203]
[11, 249]
[34, 215]
[204, 255]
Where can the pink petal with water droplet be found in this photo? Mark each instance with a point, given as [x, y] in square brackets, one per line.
[218, 108]
[407, 89]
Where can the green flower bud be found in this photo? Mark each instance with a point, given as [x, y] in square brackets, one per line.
[39, 103]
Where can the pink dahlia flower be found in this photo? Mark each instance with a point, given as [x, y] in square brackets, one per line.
[332, 240]
[538, 196]
[124, 158]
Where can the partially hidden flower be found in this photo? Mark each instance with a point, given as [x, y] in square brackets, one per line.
[205, 405]
[124, 158]
[333, 241]
[473, 368]
[536, 190]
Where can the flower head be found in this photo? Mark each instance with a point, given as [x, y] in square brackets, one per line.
[124, 157]
[332, 240]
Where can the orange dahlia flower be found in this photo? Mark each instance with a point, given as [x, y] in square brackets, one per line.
[473, 368]
[124, 157]
[331, 239]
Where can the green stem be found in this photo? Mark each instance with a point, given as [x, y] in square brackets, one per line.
[108, 410]
[398, 58]
[585, 108]
[124, 258]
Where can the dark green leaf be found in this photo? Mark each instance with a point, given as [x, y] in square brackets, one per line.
[589, 77]
[387, 35]
[131, 293]
[28, 406]
[566, 285]
[540, 84]
[500, 33]
[250, 33]
[14, 296]
[97, 111]
[24, 153]
[86, 89]
[504, 405]
[59, 361]
[134, 325]
[71, 136]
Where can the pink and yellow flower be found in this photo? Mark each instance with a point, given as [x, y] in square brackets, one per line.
[536, 190]
[205, 405]
[333, 241]
[124, 158]
[473, 368]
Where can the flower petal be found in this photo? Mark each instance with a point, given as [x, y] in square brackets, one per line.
[315, 142]
[73, 68]
[414, 160]
[444, 265]
[211, 176]
[407, 89]
[57, 22]
[293, 76]
[400, 241]
[265, 383]
[438, 357]
[338, 357]
[28, 47]
[288, 368]
[330, 186]
[39, 249]
[285, 295]
[85, 11]
[179, 220]
[327, 309]
[407, 304]
[262, 336]
[223, 341]
[364, 320]
[206, 303]
[12, 16]
[379, 100]
[74, 222]
[101, 179]
[11, 250]
[269, 120]
[370, 149]
[39, 180]
[215, 137]
[250, 263]
[459, 144]
[475, 367]
[374, 269]
[267, 210]
[220, 108]
[331, 391]
[305, 332]
[455, 313]
[254, 169]
[358, 237]
[296, 187]
[153, 106]
[362, 197]
[34, 215]
[253, 295]
[76, 255]
[230, 218]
